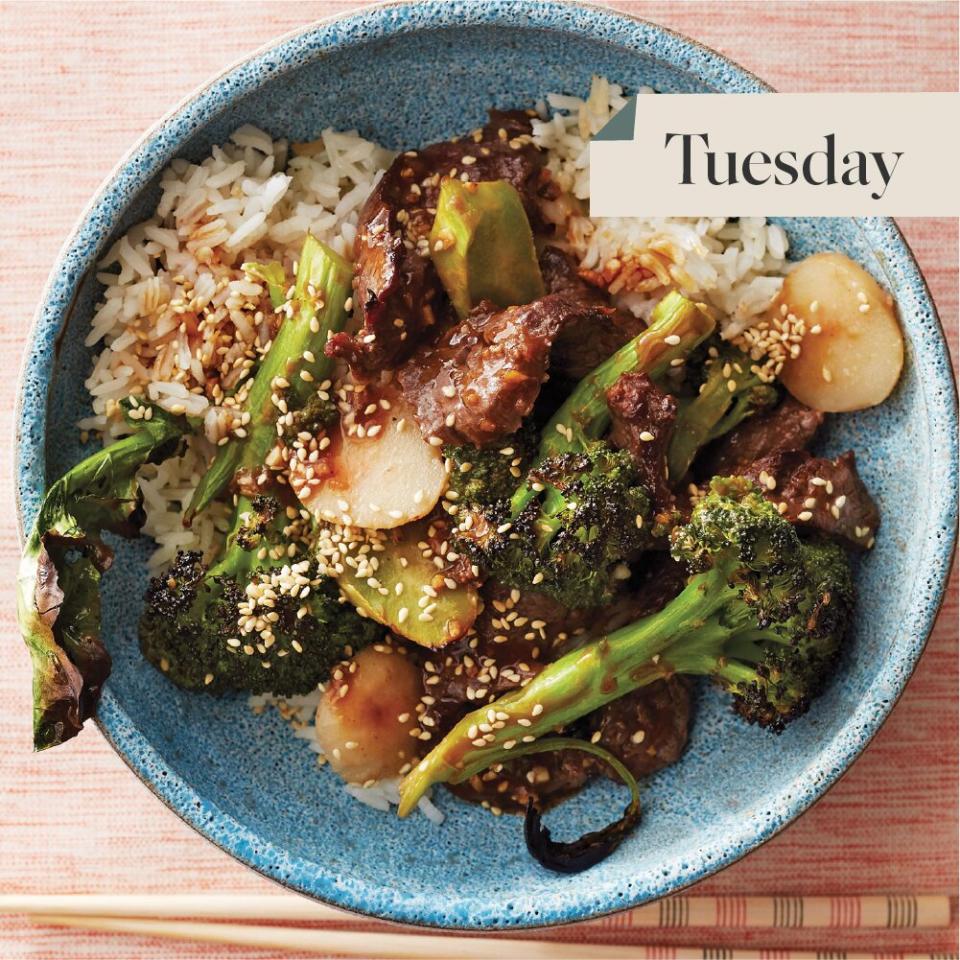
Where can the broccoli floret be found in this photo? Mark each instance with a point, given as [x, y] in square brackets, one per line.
[780, 606]
[729, 393]
[255, 523]
[573, 546]
[487, 477]
[317, 414]
[763, 614]
[254, 620]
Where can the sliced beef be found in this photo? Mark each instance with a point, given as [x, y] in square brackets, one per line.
[537, 630]
[547, 778]
[514, 636]
[646, 729]
[599, 331]
[477, 381]
[819, 494]
[790, 426]
[643, 416]
[396, 287]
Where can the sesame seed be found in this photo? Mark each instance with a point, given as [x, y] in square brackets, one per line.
[646, 436]
[805, 515]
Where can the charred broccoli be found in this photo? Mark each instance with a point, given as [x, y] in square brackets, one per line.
[573, 546]
[763, 614]
[484, 478]
[729, 393]
[256, 619]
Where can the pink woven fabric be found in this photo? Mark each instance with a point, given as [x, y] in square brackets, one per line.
[78, 84]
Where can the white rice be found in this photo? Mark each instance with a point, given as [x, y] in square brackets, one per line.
[300, 713]
[736, 266]
[252, 199]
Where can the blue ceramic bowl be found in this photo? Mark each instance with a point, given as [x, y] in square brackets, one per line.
[406, 75]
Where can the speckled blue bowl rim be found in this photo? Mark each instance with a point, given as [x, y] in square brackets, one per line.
[153, 152]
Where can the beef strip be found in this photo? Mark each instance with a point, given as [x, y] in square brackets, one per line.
[640, 409]
[514, 636]
[598, 331]
[789, 426]
[477, 381]
[647, 729]
[819, 494]
[396, 288]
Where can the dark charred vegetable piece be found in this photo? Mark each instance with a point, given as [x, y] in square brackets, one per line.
[587, 851]
[677, 327]
[316, 309]
[190, 631]
[477, 382]
[58, 598]
[818, 494]
[482, 246]
[396, 287]
[730, 392]
[642, 421]
[597, 332]
[788, 426]
[763, 614]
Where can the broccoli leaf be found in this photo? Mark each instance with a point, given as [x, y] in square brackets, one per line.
[58, 595]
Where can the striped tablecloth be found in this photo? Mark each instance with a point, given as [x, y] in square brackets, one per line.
[78, 83]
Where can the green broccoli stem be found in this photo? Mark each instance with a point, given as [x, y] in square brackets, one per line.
[274, 276]
[584, 416]
[580, 682]
[296, 356]
[234, 560]
[717, 409]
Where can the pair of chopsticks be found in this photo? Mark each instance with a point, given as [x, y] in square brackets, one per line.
[213, 921]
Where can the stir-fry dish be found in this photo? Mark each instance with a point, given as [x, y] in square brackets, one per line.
[471, 486]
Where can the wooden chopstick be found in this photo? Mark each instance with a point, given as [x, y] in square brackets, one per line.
[389, 946]
[890, 912]
[383, 946]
